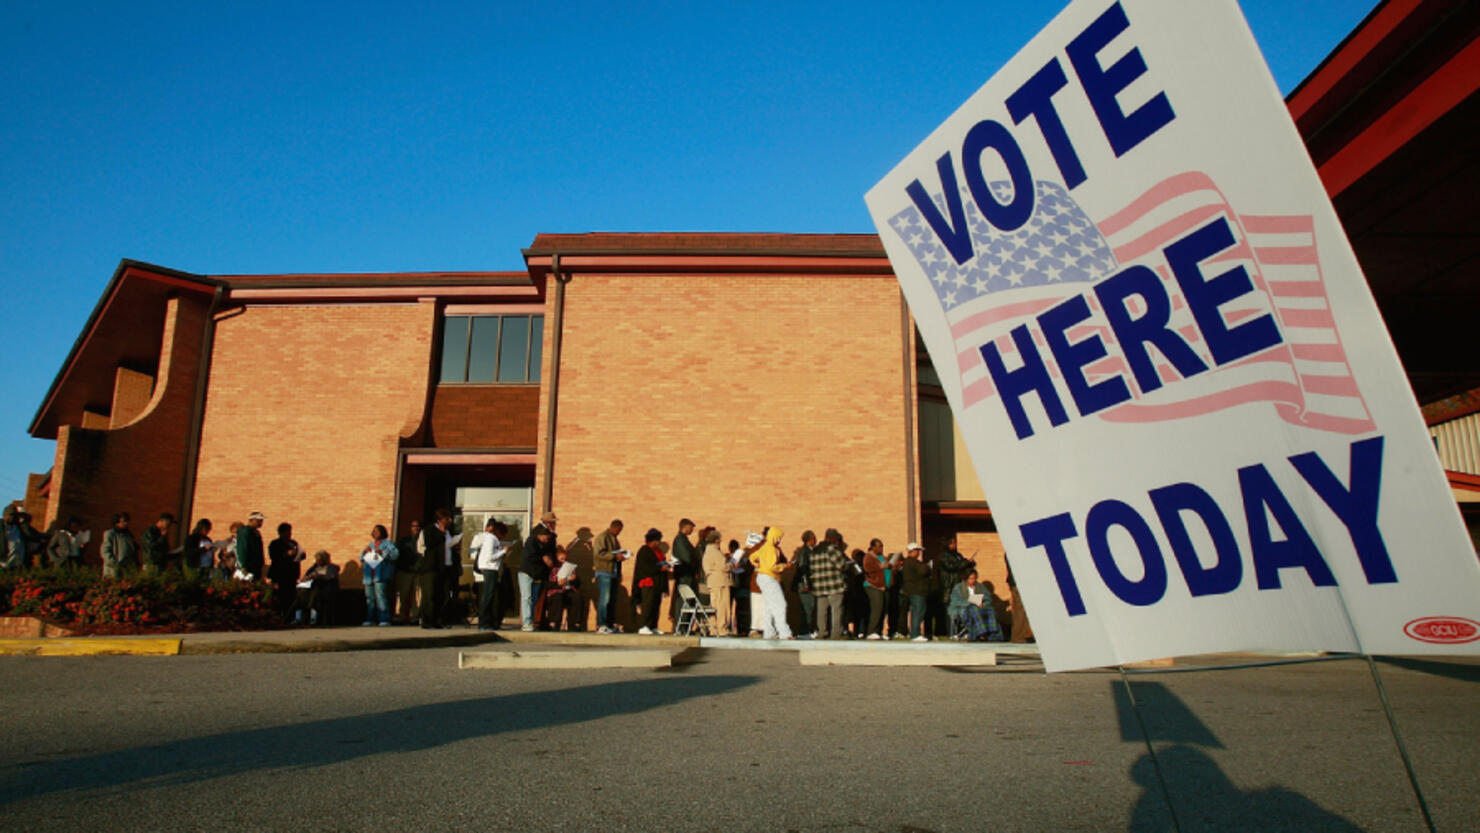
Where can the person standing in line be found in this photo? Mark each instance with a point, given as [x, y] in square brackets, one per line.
[16, 540]
[539, 554]
[283, 568]
[740, 619]
[717, 578]
[63, 549]
[802, 582]
[408, 575]
[685, 570]
[916, 586]
[488, 553]
[648, 580]
[607, 567]
[120, 548]
[199, 551]
[769, 563]
[828, 564]
[876, 587]
[437, 546]
[855, 600]
[249, 557]
[156, 544]
[377, 573]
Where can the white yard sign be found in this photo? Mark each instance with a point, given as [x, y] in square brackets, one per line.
[1189, 421]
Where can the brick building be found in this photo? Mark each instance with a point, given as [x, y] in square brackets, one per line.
[741, 380]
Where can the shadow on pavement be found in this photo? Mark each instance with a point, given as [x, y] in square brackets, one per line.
[1205, 798]
[339, 739]
[1465, 672]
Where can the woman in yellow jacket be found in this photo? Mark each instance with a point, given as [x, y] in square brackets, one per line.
[769, 563]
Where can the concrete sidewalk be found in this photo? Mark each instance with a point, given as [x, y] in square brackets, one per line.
[357, 638]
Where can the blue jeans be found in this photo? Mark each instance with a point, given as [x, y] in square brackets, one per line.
[529, 590]
[377, 602]
[917, 614]
[605, 601]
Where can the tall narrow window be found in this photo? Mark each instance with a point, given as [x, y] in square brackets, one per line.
[455, 349]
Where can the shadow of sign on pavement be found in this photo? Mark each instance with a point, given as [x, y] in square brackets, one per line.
[335, 740]
[1206, 800]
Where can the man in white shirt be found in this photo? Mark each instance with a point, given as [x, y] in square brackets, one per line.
[488, 552]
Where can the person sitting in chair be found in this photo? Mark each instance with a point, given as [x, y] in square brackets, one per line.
[972, 608]
[316, 589]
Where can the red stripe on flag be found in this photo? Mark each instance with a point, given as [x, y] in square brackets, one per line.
[1319, 352]
[1297, 289]
[1167, 189]
[1324, 422]
[1292, 224]
[1152, 240]
[1254, 392]
[1331, 385]
[1286, 255]
[1308, 318]
[976, 321]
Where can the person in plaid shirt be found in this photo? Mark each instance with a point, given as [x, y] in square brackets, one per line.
[828, 563]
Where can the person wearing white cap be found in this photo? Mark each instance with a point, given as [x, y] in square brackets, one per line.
[916, 585]
[249, 555]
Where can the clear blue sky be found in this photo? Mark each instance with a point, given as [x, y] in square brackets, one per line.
[339, 136]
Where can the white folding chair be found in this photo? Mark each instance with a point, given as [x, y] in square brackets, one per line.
[693, 613]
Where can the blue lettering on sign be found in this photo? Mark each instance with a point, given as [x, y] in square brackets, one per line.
[1034, 99]
[1133, 335]
[1285, 546]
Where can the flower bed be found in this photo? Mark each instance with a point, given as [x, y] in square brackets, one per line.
[86, 603]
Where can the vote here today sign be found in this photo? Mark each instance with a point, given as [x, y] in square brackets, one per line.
[1187, 416]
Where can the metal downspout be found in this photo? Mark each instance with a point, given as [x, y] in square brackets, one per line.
[197, 413]
[548, 492]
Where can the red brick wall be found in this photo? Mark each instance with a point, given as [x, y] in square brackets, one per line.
[138, 468]
[304, 416]
[739, 401]
[484, 416]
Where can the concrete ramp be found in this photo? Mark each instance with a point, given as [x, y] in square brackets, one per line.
[578, 658]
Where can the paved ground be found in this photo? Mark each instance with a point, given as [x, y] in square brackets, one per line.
[739, 740]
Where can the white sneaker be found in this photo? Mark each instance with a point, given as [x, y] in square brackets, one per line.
[874, 636]
[645, 631]
[603, 629]
[919, 639]
[527, 628]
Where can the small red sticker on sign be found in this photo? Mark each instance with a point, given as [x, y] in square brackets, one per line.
[1443, 630]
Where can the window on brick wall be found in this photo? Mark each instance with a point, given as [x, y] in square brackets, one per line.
[491, 349]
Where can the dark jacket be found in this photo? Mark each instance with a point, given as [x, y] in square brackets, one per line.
[156, 547]
[953, 568]
[249, 550]
[434, 556]
[282, 565]
[533, 563]
[688, 560]
[409, 558]
[916, 578]
[645, 566]
[802, 558]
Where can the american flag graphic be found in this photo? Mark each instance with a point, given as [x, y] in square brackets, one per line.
[1061, 252]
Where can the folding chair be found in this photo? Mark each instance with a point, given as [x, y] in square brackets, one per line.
[694, 613]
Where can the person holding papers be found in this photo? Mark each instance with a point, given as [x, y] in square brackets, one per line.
[562, 593]
[534, 568]
[607, 567]
[915, 576]
[488, 553]
[316, 589]
[377, 571]
[648, 581]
